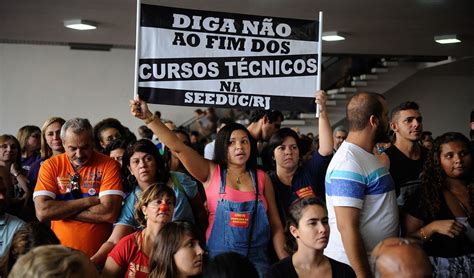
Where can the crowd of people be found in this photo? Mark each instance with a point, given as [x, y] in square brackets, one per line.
[379, 197]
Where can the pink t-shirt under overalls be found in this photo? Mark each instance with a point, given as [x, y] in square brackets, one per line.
[212, 194]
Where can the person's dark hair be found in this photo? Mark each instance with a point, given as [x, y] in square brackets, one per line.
[129, 136]
[277, 139]
[146, 146]
[425, 134]
[167, 155]
[361, 107]
[295, 211]
[168, 242]
[153, 192]
[148, 134]
[120, 144]
[225, 121]
[433, 178]
[185, 133]
[230, 265]
[407, 105]
[105, 124]
[222, 143]
[116, 144]
[26, 238]
[305, 145]
[272, 115]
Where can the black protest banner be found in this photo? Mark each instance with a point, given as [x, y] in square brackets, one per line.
[202, 58]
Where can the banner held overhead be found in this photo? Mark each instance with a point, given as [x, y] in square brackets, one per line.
[202, 58]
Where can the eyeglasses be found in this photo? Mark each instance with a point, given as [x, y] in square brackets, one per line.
[76, 186]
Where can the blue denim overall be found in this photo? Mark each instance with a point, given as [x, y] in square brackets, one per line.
[225, 237]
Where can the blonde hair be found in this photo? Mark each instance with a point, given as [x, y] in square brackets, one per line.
[52, 261]
[46, 151]
[24, 133]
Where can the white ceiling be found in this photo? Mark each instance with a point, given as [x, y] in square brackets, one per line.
[377, 27]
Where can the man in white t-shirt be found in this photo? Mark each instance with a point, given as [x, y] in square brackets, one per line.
[360, 192]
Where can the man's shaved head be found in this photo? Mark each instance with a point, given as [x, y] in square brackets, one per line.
[361, 106]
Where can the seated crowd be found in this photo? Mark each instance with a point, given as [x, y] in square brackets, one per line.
[379, 198]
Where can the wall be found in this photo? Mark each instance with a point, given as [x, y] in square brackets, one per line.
[39, 81]
[445, 95]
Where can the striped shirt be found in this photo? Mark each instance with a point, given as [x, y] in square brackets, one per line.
[356, 178]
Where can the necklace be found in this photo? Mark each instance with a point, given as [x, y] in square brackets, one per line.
[238, 177]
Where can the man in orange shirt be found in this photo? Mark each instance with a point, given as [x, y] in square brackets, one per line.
[79, 191]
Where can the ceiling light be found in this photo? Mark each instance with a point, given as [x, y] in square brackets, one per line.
[80, 24]
[333, 36]
[447, 39]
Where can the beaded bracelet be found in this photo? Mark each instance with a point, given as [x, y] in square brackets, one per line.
[150, 119]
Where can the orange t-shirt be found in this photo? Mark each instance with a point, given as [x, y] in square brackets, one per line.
[100, 176]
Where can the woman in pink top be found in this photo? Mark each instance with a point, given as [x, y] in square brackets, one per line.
[243, 215]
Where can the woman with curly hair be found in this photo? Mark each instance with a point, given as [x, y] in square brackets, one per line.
[441, 213]
[108, 130]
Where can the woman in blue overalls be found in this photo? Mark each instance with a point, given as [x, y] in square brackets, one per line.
[242, 212]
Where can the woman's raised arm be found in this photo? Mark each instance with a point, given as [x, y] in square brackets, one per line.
[325, 131]
[198, 166]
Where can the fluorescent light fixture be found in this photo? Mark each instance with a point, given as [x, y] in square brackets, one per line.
[332, 36]
[79, 24]
[446, 39]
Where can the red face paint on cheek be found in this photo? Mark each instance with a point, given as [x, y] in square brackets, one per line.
[163, 208]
